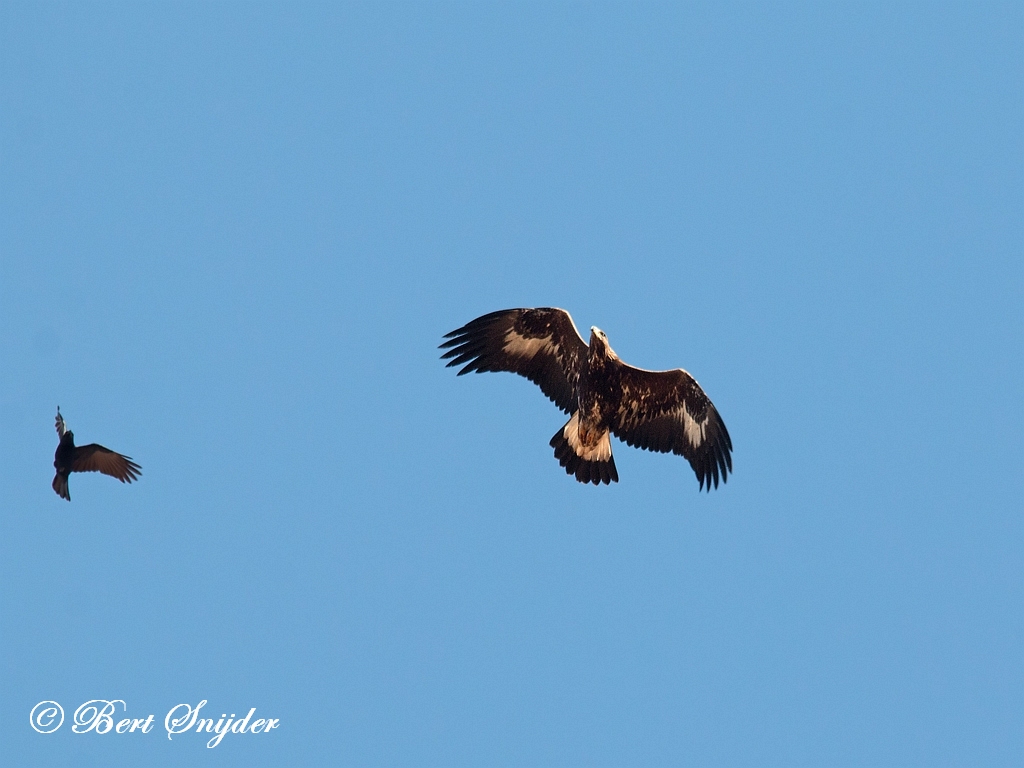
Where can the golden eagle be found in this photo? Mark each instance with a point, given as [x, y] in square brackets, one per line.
[663, 411]
[87, 458]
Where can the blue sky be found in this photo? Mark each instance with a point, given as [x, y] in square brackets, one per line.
[231, 238]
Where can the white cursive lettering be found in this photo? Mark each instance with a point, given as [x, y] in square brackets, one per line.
[91, 716]
[44, 715]
[181, 724]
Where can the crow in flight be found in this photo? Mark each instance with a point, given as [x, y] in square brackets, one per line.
[87, 458]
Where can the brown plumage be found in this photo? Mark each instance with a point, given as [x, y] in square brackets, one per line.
[87, 458]
[663, 411]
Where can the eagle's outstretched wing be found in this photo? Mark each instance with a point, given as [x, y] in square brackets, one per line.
[96, 458]
[667, 411]
[59, 423]
[541, 344]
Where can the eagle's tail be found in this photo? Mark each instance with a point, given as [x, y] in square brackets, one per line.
[593, 464]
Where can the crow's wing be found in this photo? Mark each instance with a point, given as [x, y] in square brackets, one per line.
[96, 458]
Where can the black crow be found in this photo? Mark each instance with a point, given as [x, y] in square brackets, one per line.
[87, 458]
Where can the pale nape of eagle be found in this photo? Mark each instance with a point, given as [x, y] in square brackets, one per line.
[663, 411]
[87, 458]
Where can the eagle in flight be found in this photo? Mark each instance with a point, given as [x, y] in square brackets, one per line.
[663, 411]
[87, 458]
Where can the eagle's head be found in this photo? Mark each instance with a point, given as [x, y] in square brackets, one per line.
[599, 341]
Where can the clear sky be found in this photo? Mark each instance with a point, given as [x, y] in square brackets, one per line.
[231, 239]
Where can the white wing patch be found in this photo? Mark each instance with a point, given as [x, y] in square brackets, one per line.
[600, 452]
[629, 414]
[694, 431]
[518, 346]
